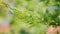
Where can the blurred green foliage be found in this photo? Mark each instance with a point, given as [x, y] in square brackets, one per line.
[34, 16]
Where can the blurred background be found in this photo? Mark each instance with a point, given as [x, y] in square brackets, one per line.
[28, 16]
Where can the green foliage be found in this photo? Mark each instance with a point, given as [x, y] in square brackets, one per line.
[35, 14]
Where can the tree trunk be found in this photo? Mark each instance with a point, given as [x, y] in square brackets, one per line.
[58, 29]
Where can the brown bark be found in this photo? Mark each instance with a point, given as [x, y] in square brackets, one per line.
[58, 29]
